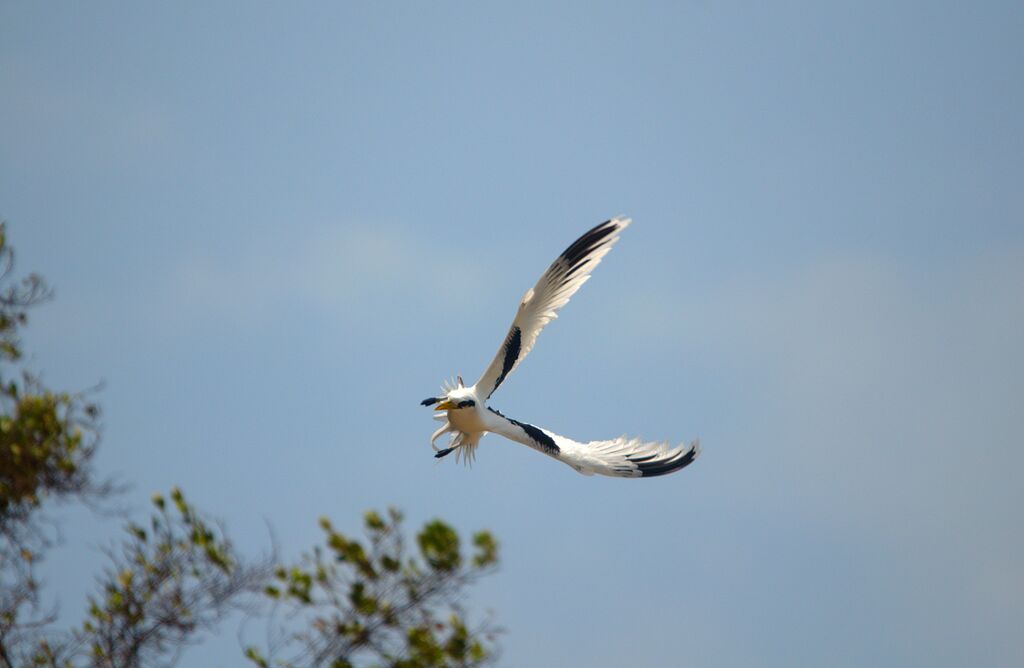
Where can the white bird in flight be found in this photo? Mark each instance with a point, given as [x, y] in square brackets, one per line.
[468, 417]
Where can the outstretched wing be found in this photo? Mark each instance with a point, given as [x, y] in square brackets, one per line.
[541, 302]
[619, 457]
[630, 457]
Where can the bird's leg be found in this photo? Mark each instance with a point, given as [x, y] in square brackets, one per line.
[430, 401]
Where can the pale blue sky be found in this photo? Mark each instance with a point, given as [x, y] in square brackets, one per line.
[274, 229]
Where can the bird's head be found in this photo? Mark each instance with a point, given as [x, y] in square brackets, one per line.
[456, 397]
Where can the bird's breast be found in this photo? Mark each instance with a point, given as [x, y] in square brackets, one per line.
[466, 419]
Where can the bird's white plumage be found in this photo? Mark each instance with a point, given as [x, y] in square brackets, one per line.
[541, 303]
[467, 416]
[621, 457]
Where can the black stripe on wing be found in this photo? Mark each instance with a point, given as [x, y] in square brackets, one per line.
[536, 434]
[650, 467]
[513, 344]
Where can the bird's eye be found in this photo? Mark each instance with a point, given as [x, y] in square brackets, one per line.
[466, 403]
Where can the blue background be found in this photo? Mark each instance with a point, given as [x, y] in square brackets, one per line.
[273, 229]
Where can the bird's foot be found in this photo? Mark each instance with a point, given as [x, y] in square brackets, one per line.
[442, 453]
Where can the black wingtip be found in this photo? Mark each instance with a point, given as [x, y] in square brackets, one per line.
[429, 401]
[591, 239]
[658, 467]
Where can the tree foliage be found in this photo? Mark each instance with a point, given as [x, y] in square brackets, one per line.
[47, 439]
[349, 603]
[179, 576]
[165, 584]
[372, 602]
[47, 442]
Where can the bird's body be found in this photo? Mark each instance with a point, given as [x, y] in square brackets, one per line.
[467, 416]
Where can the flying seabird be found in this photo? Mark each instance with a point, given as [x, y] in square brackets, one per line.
[467, 416]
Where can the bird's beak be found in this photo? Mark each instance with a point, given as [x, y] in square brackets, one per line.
[444, 405]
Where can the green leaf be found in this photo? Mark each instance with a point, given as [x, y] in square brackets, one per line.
[439, 545]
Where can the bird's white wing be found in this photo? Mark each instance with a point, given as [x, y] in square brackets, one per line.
[540, 304]
[621, 457]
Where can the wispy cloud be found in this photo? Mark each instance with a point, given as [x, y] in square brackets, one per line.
[351, 274]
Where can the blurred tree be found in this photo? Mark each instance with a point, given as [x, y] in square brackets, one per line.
[371, 603]
[165, 585]
[47, 441]
[177, 576]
